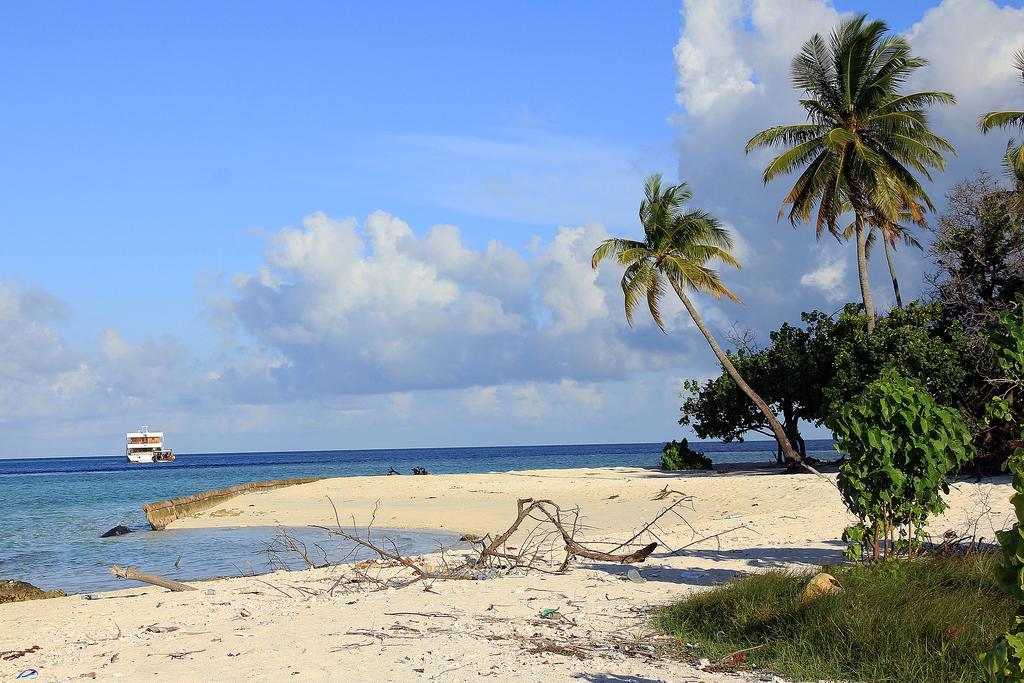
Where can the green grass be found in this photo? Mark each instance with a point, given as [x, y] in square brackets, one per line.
[921, 620]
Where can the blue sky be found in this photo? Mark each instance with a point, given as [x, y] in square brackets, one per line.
[155, 155]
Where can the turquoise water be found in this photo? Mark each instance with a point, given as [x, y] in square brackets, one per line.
[53, 510]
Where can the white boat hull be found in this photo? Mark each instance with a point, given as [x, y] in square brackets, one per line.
[150, 457]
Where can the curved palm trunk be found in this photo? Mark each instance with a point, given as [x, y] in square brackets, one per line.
[780, 434]
[862, 272]
[892, 272]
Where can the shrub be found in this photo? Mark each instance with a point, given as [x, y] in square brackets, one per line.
[914, 621]
[902, 447]
[1005, 661]
[677, 455]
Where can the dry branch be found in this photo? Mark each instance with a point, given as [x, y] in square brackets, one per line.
[547, 540]
[135, 575]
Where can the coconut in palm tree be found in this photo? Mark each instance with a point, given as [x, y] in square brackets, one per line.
[678, 250]
[864, 138]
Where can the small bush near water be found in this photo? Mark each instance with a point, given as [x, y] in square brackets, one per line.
[677, 455]
[918, 620]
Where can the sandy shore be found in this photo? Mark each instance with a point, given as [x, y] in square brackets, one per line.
[289, 626]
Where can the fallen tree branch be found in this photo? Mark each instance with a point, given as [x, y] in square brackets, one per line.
[547, 545]
[135, 575]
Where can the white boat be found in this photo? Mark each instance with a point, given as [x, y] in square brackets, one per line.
[146, 446]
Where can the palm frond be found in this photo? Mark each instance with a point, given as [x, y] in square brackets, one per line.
[1001, 119]
[784, 135]
[613, 246]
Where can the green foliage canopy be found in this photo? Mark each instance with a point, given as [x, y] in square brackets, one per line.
[915, 341]
[809, 372]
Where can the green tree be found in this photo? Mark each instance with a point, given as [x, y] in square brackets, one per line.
[1014, 160]
[676, 251]
[809, 373]
[915, 341]
[978, 257]
[790, 373]
[863, 139]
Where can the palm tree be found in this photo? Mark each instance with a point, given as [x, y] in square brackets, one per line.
[892, 232]
[676, 250]
[863, 138]
[1014, 160]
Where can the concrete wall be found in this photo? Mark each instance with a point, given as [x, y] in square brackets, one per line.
[162, 513]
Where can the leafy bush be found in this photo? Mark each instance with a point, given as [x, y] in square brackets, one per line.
[902, 446]
[1005, 661]
[677, 455]
[920, 620]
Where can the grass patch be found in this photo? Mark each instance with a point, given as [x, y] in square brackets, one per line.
[920, 620]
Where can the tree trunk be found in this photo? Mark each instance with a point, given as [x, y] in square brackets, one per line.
[862, 272]
[780, 434]
[892, 272]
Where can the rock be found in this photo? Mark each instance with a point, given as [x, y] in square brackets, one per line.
[820, 584]
[420, 470]
[19, 591]
[119, 530]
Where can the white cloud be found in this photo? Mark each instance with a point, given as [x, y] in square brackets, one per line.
[710, 69]
[568, 282]
[829, 277]
[970, 46]
[42, 378]
[343, 308]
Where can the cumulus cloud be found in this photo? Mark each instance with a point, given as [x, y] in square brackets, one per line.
[340, 307]
[829, 277]
[42, 378]
[710, 70]
[970, 46]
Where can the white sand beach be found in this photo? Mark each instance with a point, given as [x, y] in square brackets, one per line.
[288, 626]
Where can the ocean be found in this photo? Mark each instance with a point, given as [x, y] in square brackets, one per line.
[53, 510]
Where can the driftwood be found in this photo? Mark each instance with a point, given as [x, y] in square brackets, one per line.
[554, 532]
[546, 541]
[135, 575]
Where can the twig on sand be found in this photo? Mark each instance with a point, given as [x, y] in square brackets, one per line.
[181, 655]
[279, 590]
[666, 492]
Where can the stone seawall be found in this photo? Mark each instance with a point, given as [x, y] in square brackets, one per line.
[163, 512]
